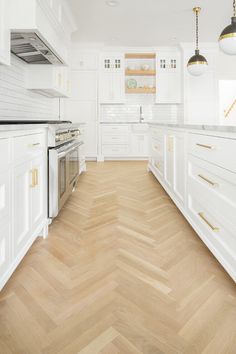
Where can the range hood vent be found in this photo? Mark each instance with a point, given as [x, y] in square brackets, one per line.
[30, 48]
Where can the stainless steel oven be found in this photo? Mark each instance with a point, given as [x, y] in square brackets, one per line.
[63, 169]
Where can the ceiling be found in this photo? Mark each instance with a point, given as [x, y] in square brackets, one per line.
[147, 22]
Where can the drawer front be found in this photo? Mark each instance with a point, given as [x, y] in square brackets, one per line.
[115, 150]
[5, 158]
[157, 145]
[219, 151]
[217, 234]
[115, 139]
[27, 145]
[158, 163]
[115, 129]
[216, 185]
[156, 132]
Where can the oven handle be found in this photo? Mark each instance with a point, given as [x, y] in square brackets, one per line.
[64, 153]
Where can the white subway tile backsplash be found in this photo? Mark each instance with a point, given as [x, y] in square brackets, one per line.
[131, 112]
[16, 102]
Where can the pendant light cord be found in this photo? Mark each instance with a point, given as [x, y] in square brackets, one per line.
[234, 6]
[197, 30]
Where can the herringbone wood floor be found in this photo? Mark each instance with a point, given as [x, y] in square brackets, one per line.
[121, 272]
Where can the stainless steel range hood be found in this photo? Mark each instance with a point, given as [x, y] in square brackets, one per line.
[30, 48]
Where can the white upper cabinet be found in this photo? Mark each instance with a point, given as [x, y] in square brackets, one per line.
[112, 78]
[84, 61]
[47, 80]
[168, 77]
[4, 32]
[49, 19]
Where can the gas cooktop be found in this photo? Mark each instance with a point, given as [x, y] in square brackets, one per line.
[34, 122]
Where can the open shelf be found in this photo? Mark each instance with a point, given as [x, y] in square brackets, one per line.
[140, 72]
[141, 90]
[140, 56]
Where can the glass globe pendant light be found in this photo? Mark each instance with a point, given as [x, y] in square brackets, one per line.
[197, 64]
[227, 40]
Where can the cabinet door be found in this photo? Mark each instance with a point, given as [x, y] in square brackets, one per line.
[169, 160]
[168, 78]
[106, 88]
[22, 181]
[169, 88]
[139, 145]
[4, 33]
[38, 192]
[112, 62]
[179, 166]
[5, 250]
[118, 88]
[5, 222]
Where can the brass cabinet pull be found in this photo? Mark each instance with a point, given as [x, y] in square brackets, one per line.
[213, 184]
[33, 145]
[32, 172]
[36, 172]
[170, 142]
[208, 223]
[205, 146]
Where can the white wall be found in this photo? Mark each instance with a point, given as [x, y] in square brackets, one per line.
[18, 103]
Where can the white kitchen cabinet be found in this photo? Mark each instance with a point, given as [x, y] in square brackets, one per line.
[48, 19]
[50, 81]
[84, 61]
[112, 88]
[4, 32]
[22, 207]
[168, 78]
[112, 79]
[23, 195]
[38, 190]
[200, 177]
[124, 141]
[84, 85]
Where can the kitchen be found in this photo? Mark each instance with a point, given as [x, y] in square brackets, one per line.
[118, 176]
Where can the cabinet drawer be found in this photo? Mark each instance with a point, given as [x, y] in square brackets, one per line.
[5, 157]
[115, 129]
[157, 145]
[219, 237]
[115, 150]
[219, 151]
[158, 163]
[216, 185]
[28, 145]
[156, 132]
[115, 139]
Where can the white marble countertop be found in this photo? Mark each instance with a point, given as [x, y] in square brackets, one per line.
[14, 127]
[216, 128]
[134, 122]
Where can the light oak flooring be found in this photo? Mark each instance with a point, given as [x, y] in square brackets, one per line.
[121, 272]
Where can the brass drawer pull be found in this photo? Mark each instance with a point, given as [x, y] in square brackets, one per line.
[205, 146]
[33, 145]
[213, 184]
[32, 172]
[36, 172]
[208, 223]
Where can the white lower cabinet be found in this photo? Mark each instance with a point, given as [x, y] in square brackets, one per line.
[23, 197]
[124, 141]
[200, 177]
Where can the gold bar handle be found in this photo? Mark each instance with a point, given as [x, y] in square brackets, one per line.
[32, 172]
[202, 216]
[205, 146]
[213, 184]
[36, 172]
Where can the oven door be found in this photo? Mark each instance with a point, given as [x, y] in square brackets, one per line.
[63, 175]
